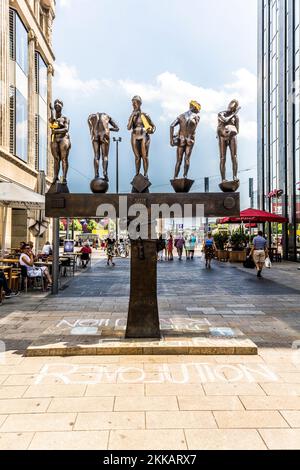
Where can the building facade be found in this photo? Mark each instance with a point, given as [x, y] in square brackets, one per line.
[279, 116]
[26, 72]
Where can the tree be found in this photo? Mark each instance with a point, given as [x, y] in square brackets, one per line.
[92, 225]
[77, 227]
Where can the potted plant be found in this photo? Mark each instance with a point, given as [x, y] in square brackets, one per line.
[220, 239]
[238, 241]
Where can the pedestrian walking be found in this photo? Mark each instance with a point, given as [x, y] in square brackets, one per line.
[192, 245]
[259, 252]
[209, 249]
[161, 246]
[110, 250]
[170, 247]
[179, 245]
[187, 248]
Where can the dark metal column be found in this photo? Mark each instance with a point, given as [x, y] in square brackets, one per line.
[55, 266]
[143, 317]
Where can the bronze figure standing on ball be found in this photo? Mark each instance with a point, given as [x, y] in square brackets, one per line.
[228, 130]
[101, 124]
[185, 139]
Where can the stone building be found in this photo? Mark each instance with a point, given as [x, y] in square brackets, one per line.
[26, 72]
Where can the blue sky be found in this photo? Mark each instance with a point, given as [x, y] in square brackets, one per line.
[169, 52]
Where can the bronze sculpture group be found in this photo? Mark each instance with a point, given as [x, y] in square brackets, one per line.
[142, 127]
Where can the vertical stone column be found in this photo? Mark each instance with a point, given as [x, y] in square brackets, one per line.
[143, 316]
[49, 26]
[31, 98]
[4, 74]
[50, 169]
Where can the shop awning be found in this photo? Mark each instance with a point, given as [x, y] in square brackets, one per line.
[254, 216]
[17, 197]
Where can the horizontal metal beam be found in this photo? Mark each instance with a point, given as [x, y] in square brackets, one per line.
[87, 205]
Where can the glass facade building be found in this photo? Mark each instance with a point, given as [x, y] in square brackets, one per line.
[279, 116]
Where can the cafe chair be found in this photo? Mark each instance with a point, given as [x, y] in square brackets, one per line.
[37, 281]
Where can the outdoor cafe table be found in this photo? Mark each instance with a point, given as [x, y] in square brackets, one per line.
[74, 256]
[9, 260]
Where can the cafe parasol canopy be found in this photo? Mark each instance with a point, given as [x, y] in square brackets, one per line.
[254, 216]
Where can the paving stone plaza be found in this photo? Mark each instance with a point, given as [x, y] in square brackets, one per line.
[153, 401]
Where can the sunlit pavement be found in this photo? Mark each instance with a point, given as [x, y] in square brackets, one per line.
[156, 402]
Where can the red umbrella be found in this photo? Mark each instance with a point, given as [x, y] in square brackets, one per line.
[254, 216]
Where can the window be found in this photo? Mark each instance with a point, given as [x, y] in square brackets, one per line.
[36, 141]
[41, 118]
[18, 39]
[42, 145]
[12, 120]
[41, 76]
[21, 126]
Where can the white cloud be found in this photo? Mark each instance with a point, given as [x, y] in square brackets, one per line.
[67, 79]
[245, 85]
[173, 94]
[65, 3]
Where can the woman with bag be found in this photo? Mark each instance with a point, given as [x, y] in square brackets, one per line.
[209, 249]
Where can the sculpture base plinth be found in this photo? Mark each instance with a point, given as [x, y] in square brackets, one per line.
[143, 318]
[182, 185]
[99, 186]
[229, 186]
[140, 184]
[59, 188]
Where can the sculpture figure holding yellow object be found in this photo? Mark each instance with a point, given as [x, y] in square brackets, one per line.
[141, 126]
[60, 140]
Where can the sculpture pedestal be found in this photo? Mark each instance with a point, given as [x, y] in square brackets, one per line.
[140, 184]
[58, 188]
[143, 317]
[182, 185]
[229, 186]
[99, 186]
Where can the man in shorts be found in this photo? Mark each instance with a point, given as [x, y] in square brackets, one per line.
[259, 252]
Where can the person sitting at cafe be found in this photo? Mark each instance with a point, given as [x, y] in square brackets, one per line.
[27, 260]
[47, 249]
[4, 286]
[86, 252]
[30, 244]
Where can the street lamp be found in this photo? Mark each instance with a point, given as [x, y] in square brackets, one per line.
[117, 140]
